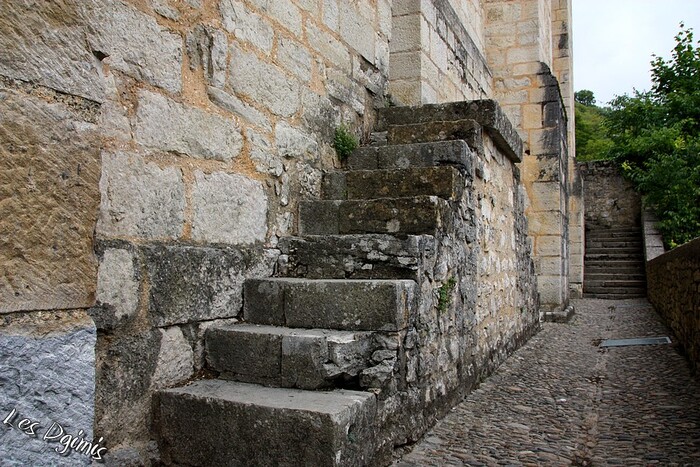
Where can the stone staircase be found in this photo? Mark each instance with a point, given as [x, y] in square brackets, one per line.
[330, 363]
[614, 263]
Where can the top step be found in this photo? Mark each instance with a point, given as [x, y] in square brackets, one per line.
[486, 113]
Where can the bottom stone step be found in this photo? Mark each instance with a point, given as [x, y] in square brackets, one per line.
[224, 423]
[614, 296]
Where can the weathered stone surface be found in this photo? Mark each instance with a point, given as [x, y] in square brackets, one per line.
[610, 199]
[443, 182]
[246, 25]
[415, 216]
[295, 58]
[175, 362]
[330, 304]
[135, 44]
[49, 172]
[158, 212]
[403, 156]
[355, 30]
[284, 12]
[207, 48]
[357, 256]
[286, 357]
[60, 59]
[277, 92]
[294, 143]
[465, 130]
[228, 208]
[118, 282]
[236, 106]
[169, 126]
[47, 375]
[295, 427]
[486, 113]
[189, 284]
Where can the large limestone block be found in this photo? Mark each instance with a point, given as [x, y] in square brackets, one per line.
[56, 57]
[351, 305]
[49, 172]
[228, 208]
[140, 199]
[214, 422]
[47, 375]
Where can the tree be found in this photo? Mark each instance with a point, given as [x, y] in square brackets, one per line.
[591, 140]
[585, 97]
[656, 139]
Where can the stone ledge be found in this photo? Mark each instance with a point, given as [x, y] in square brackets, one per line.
[487, 113]
[563, 316]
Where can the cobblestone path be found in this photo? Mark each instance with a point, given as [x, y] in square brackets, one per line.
[562, 400]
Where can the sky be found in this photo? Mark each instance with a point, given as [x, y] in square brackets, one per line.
[614, 41]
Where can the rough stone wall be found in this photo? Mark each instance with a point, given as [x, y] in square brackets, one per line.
[610, 199]
[528, 89]
[673, 287]
[434, 57]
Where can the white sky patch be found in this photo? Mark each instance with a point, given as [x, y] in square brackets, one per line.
[614, 41]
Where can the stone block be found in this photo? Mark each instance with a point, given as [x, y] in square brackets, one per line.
[60, 60]
[166, 125]
[159, 210]
[229, 209]
[331, 304]
[135, 44]
[548, 245]
[546, 196]
[294, 143]
[197, 424]
[175, 363]
[443, 182]
[406, 33]
[118, 286]
[49, 186]
[247, 25]
[48, 375]
[287, 357]
[207, 49]
[415, 216]
[284, 12]
[464, 130]
[356, 30]
[189, 284]
[277, 92]
[328, 47]
[295, 58]
[452, 153]
[233, 104]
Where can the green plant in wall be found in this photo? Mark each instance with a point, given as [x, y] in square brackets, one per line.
[445, 294]
[344, 142]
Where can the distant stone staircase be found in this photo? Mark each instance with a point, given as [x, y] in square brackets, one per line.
[323, 369]
[614, 263]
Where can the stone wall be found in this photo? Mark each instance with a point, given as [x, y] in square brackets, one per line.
[673, 287]
[610, 199]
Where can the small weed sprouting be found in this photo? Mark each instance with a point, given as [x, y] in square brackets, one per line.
[344, 142]
[445, 294]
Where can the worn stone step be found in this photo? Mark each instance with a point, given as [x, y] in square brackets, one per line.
[618, 283]
[349, 305]
[614, 296]
[409, 216]
[287, 357]
[614, 256]
[615, 276]
[614, 234]
[365, 256]
[613, 250]
[637, 243]
[403, 156]
[443, 182]
[216, 422]
[450, 121]
[636, 291]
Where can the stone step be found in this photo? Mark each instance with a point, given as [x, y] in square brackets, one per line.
[614, 256]
[635, 233]
[366, 256]
[614, 296]
[216, 422]
[617, 283]
[443, 182]
[615, 243]
[615, 276]
[403, 156]
[348, 305]
[636, 291]
[613, 250]
[292, 358]
[409, 216]
[431, 122]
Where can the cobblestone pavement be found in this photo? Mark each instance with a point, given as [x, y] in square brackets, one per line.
[562, 400]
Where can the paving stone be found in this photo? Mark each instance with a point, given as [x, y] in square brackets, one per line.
[561, 400]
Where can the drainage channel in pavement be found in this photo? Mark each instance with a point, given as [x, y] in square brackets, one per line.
[638, 341]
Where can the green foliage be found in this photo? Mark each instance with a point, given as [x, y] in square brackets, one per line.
[585, 97]
[445, 294]
[591, 140]
[656, 139]
[344, 142]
